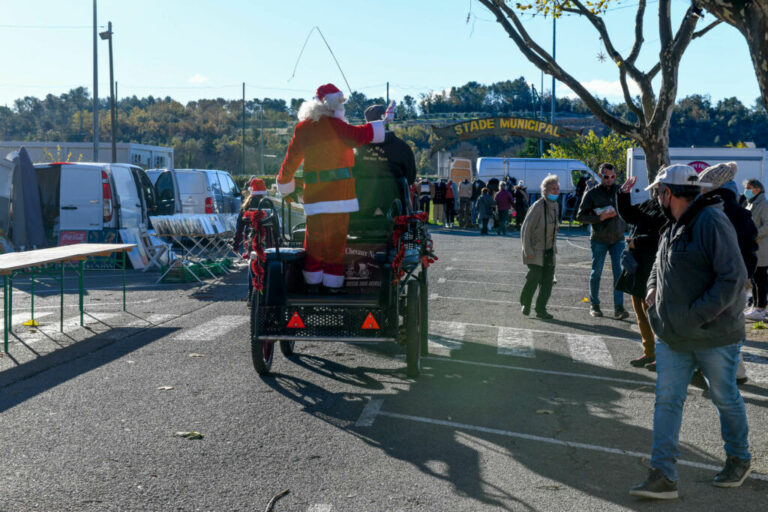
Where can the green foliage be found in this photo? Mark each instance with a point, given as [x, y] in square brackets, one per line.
[594, 150]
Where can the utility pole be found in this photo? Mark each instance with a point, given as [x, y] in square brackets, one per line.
[95, 90]
[117, 99]
[553, 76]
[262, 137]
[541, 113]
[387, 93]
[108, 35]
[243, 137]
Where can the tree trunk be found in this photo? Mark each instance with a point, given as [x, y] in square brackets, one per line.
[656, 151]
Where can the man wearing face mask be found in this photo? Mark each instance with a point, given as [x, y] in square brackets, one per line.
[695, 309]
[598, 208]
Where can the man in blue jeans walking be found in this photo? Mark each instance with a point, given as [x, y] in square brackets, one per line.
[695, 307]
[598, 208]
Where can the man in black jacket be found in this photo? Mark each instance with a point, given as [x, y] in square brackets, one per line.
[380, 168]
[598, 208]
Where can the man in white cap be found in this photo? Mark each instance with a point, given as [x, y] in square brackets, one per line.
[324, 142]
[695, 296]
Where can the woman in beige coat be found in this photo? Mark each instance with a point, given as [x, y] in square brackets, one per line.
[538, 236]
[758, 207]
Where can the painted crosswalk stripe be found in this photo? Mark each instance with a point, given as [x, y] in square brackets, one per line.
[19, 319]
[589, 350]
[150, 320]
[515, 342]
[213, 329]
[317, 507]
[445, 336]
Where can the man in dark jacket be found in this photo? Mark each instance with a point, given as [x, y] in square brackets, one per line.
[598, 208]
[477, 190]
[380, 168]
[721, 176]
[521, 203]
[695, 298]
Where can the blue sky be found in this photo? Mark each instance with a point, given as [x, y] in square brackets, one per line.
[190, 49]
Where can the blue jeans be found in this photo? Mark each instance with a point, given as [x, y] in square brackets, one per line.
[599, 251]
[503, 222]
[675, 370]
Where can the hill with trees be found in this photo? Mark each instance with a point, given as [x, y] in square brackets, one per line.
[208, 133]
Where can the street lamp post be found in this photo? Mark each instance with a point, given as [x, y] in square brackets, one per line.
[108, 35]
[95, 90]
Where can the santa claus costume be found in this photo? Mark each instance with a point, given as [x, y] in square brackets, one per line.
[325, 143]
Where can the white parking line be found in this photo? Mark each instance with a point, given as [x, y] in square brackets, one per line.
[547, 440]
[515, 342]
[445, 336]
[589, 350]
[368, 416]
[19, 319]
[213, 329]
[435, 296]
[476, 270]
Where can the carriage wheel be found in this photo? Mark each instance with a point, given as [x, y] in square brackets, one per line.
[413, 330]
[424, 298]
[286, 347]
[262, 352]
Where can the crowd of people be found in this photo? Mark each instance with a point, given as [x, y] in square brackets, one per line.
[691, 250]
[486, 206]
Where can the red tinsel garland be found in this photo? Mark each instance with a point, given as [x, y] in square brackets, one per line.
[259, 234]
[401, 226]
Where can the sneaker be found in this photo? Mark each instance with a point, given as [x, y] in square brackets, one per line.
[699, 381]
[651, 367]
[526, 310]
[543, 315]
[594, 310]
[741, 381]
[748, 310]
[757, 314]
[734, 473]
[656, 486]
[640, 362]
[620, 314]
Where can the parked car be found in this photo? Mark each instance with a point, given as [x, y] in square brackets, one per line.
[195, 191]
[93, 197]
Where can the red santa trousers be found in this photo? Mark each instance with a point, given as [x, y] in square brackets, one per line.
[325, 243]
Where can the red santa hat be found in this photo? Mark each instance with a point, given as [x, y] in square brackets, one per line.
[257, 187]
[330, 95]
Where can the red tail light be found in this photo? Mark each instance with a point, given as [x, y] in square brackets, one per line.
[208, 205]
[106, 193]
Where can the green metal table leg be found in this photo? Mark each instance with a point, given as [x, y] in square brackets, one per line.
[6, 320]
[80, 288]
[9, 323]
[32, 296]
[123, 280]
[61, 297]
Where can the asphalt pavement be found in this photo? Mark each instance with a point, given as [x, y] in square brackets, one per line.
[509, 413]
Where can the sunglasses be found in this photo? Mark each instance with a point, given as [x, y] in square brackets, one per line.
[609, 176]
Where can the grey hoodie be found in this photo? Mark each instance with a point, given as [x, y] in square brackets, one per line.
[699, 284]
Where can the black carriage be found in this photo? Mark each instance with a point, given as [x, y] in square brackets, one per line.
[385, 296]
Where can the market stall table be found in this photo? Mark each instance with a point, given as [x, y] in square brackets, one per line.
[13, 263]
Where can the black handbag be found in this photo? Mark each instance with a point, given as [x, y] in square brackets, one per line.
[628, 262]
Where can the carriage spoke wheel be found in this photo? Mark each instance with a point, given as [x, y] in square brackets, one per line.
[262, 352]
[413, 330]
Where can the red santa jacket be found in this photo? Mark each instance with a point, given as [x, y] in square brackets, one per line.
[324, 145]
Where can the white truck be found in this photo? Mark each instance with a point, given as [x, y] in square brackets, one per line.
[533, 171]
[751, 161]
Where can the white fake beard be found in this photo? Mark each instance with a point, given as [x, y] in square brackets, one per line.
[339, 113]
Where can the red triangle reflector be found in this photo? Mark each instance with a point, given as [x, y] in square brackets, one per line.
[295, 321]
[370, 322]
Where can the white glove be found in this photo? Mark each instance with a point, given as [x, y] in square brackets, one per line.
[389, 115]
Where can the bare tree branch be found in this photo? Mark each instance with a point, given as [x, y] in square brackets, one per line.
[543, 60]
[706, 29]
[638, 33]
[665, 23]
[628, 98]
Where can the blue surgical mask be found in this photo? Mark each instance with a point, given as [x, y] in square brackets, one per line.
[552, 197]
[748, 193]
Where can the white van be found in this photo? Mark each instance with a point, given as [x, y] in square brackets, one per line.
[195, 191]
[751, 161]
[533, 171]
[93, 196]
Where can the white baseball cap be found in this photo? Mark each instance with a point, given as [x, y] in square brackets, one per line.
[678, 174]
